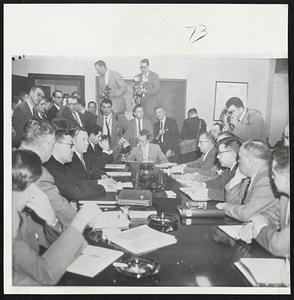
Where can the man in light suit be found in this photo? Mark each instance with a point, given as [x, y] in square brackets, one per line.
[275, 239]
[167, 135]
[24, 112]
[254, 157]
[136, 125]
[145, 151]
[113, 126]
[243, 122]
[113, 81]
[149, 93]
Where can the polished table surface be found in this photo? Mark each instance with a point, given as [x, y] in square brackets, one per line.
[202, 251]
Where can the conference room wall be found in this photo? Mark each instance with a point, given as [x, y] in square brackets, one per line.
[201, 75]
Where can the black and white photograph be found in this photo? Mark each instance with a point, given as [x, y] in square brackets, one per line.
[146, 149]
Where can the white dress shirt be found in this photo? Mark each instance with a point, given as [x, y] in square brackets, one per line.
[107, 119]
[80, 156]
[161, 126]
[145, 150]
[31, 106]
[138, 127]
[77, 117]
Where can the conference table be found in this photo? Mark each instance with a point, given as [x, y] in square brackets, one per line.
[203, 255]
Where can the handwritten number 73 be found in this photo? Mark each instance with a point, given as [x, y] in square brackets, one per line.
[198, 32]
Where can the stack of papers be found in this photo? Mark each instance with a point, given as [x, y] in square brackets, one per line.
[115, 166]
[142, 239]
[111, 185]
[111, 219]
[196, 194]
[231, 230]
[262, 271]
[118, 174]
[93, 260]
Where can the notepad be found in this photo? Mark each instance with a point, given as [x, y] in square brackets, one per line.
[262, 271]
[118, 174]
[93, 260]
[115, 166]
[231, 230]
[142, 239]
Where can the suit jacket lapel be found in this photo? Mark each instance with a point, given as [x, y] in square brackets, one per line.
[27, 109]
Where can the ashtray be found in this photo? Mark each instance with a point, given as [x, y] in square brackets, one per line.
[163, 222]
[137, 267]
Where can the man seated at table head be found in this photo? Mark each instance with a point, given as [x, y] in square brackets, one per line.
[216, 129]
[245, 123]
[275, 239]
[167, 135]
[39, 137]
[146, 151]
[254, 157]
[68, 184]
[136, 125]
[98, 148]
[82, 166]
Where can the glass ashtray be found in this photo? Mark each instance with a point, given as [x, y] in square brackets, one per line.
[137, 267]
[163, 222]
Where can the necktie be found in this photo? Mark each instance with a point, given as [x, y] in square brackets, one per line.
[35, 113]
[108, 130]
[161, 127]
[243, 189]
[75, 117]
[139, 126]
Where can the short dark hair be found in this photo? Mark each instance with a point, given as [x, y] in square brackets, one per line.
[106, 101]
[220, 125]
[56, 91]
[137, 106]
[157, 107]
[36, 87]
[145, 61]
[93, 128]
[258, 149]
[92, 102]
[26, 168]
[231, 143]
[35, 129]
[76, 92]
[100, 63]
[234, 101]
[282, 158]
[192, 111]
[146, 133]
[209, 136]
[65, 95]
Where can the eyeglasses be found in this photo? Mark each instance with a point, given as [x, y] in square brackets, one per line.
[71, 144]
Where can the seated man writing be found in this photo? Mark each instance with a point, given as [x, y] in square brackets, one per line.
[146, 151]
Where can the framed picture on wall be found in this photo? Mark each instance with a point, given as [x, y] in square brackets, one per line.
[224, 90]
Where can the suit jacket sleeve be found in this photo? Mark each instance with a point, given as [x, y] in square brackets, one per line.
[219, 182]
[18, 123]
[132, 156]
[276, 242]
[185, 130]
[48, 268]
[260, 199]
[155, 87]
[216, 194]
[121, 85]
[194, 164]
[250, 130]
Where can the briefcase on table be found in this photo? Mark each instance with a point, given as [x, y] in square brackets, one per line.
[135, 198]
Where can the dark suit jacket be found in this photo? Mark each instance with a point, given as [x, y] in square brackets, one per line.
[66, 113]
[68, 186]
[21, 115]
[52, 112]
[170, 137]
[192, 128]
[44, 118]
[99, 156]
[277, 242]
[201, 163]
[88, 119]
[131, 133]
[259, 197]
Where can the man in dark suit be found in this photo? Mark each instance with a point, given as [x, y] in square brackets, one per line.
[70, 112]
[113, 127]
[92, 108]
[88, 119]
[98, 149]
[167, 135]
[149, 93]
[24, 112]
[40, 112]
[114, 83]
[136, 125]
[67, 182]
[56, 104]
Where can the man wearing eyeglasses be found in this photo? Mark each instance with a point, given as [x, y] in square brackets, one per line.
[243, 122]
[150, 84]
[24, 112]
[62, 154]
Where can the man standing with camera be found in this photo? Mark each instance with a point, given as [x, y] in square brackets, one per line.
[243, 122]
[148, 89]
[111, 86]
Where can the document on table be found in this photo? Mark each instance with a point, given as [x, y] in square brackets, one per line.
[118, 174]
[111, 219]
[108, 184]
[115, 166]
[262, 271]
[231, 230]
[165, 165]
[142, 239]
[196, 194]
[93, 260]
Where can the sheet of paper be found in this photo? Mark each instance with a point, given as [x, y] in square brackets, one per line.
[141, 214]
[118, 174]
[165, 165]
[115, 166]
[93, 260]
[123, 185]
[231, 230]
[170, 194]
[196, 194]
[111, 219]
[108, 184]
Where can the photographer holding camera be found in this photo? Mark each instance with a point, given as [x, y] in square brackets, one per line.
[243, 122]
